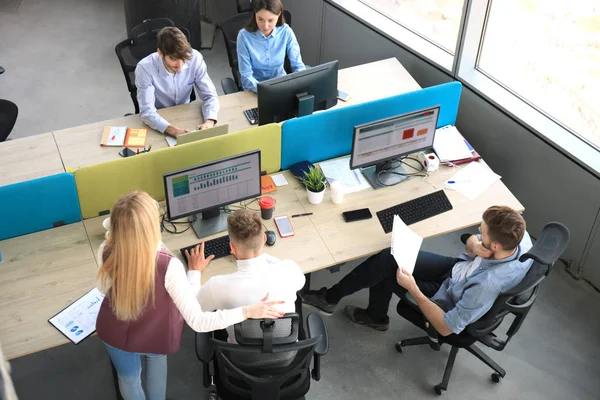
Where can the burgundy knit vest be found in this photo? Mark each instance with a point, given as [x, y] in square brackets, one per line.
[158, 330]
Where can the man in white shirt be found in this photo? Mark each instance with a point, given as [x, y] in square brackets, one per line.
[258, 273]
[166, 78]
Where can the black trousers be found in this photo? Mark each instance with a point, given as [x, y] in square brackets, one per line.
[378, 273]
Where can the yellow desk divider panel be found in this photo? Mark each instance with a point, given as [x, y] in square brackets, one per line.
[98, 186]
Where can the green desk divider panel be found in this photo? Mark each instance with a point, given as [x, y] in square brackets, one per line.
[100, 185]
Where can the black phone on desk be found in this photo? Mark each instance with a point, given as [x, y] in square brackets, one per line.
[357, 215]
[127, 152]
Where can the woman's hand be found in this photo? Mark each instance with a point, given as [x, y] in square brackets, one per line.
[196, 260]
[264, 309]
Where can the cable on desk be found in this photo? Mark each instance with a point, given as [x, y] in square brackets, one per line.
[164, 221]
[388, 170]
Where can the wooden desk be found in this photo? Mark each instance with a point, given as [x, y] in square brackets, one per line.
[306, 247]
[42, 273]
[348, 241]
[29, 158]
[80, 146]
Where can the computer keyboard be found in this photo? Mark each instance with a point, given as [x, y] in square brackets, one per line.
[219, 247]
[415, 210]
[252, 115]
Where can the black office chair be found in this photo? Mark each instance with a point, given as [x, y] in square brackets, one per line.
[518, 301]
[244, 5]
[8, 115]
[131, 51]
[230, 28]
[268, 362]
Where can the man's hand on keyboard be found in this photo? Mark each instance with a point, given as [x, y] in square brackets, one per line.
[196, 259]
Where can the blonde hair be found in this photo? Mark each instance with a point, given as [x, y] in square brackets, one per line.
[245, 229]
[129, 258]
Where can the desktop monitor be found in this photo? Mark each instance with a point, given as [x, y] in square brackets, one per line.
[207, 187]
[378, 147]
[298, 94]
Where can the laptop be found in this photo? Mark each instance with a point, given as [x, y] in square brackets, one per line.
[193, 136]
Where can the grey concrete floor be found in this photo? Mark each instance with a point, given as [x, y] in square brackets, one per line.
[62, 72]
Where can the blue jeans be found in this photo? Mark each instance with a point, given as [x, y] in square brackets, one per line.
[129, 369]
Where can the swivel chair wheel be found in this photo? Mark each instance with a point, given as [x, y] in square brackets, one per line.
[438, 390]
[496, 377]
[399, 347]
[213, 396]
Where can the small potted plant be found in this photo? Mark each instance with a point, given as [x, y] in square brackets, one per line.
[314, 180]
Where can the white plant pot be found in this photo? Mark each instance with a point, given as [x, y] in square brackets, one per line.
[315, 197]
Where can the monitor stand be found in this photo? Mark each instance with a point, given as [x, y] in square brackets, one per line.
[387, 178]
[209, 222]
[306, 104]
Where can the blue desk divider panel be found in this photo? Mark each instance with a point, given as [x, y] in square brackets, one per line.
[328, 134]
[39, 204]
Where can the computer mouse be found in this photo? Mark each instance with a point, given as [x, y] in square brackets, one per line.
[271, 237]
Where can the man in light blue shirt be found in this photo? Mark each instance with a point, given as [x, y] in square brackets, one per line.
[450, 292]
[263, 44]
[166, 78]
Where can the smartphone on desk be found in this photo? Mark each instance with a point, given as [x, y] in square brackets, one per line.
[357, 215]
[127, 152]
[284, 226]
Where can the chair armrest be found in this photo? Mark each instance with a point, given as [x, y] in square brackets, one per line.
[316, 327]
[204, 346]
[229, 86]
[205, 353]
[2, 70]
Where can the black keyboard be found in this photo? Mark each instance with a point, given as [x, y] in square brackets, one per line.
[252, 115]
[219, 247]
[415, 210]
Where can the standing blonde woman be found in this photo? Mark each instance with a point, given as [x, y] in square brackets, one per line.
[148, 297]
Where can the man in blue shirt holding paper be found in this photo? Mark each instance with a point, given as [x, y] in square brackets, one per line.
[450, 292]
[166, 78]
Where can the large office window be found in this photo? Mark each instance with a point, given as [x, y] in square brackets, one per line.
[548, 53]
[437, 21]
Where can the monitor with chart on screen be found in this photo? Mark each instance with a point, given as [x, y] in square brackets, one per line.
[207, 187]
[378, 147]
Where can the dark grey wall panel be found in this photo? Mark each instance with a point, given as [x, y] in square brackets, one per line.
[352, 43]
[307, 22]
[549, 185]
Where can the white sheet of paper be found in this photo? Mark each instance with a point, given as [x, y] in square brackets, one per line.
[279, 180]
[118, 133]
[171, 141]
[449, 145]
[405, 245]
[78, 320]
[472, 180]
[339, 170]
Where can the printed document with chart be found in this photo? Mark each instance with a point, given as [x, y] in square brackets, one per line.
[406, 245]
[78, 320]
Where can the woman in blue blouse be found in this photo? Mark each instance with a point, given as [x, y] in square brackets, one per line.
[263, 44]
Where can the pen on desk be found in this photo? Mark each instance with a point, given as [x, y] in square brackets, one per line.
[459, 181]
[149, 148]
[138, 151]
[301, 215]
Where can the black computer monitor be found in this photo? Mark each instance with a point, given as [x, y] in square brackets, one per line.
[207, 187]
[378, 147]
[298, 94]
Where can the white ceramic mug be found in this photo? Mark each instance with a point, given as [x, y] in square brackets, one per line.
[337, 191]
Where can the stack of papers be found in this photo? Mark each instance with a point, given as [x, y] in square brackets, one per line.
[449, 145]
[406, 245]
[472, 180]
[339, 170]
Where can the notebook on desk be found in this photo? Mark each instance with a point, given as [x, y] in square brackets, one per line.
[451, 146]
[197, 135]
